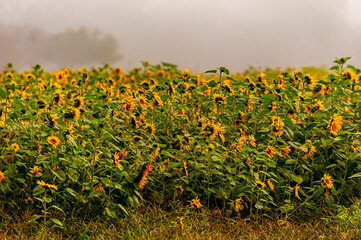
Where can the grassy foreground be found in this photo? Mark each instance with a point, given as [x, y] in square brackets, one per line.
[151, 222]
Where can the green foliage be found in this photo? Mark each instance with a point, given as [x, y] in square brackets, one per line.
[97, 142]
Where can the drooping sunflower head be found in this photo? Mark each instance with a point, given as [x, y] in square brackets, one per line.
[186, 74]
[118, 70]
[270, 151]
[78, 102]
[308, 79]
[158, 100]
[57, 96]
[30, 76]
[285, 151]
[227, 87]
[291, 113]
[210, 130]
[149, 129]
[9, 75]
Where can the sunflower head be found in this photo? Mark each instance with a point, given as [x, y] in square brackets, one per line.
[327, 181]
[54, 141]
[219, 99]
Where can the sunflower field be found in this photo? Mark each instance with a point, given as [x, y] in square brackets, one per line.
[101, 141]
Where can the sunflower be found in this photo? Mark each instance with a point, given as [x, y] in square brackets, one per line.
[116, 160]
[277, 122]
[296, 190]
[252, 140]
[270, 184]
[9, 75]
[196, 202]
[158, 100]
[241, 141]
[2, 176]
[54, 141]
[42, 183]
[318, 106]
[227, 87]
[15, 147]
[145, 172]
[185, 168]
[35, 171]
[319, 89]
[285, 151]
[30, 76]
[237, 204]
[186, 74]
[308, 79]
[59, 75]
[210, 129]
[311, 150]
[291, 113]
[272, 108]
[188, 138]
[276, 131]
[57, 97]
[99, 187]
[261, 77]
[270, 151]
[219, 99]
[259, 182]
[118, 70]
[29, 200]
[335, 124]
[78, 102]
[171, 89]
[327, 181]
[149, 129]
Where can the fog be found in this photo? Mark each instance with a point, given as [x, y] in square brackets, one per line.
[195, 34]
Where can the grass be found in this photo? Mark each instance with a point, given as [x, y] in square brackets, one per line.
[151, 222]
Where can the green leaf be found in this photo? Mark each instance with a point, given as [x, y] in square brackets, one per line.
[211, 71]
[71, 140]
[212, 83]
[38, 190]
[290, 161]
[288, 122]
[56, 221]
[122, 208]
[351, 67]
[95, 193]
[356, 175]
[336, 68]
[297, 179]
[110, 213]
[60, 174]
[57, 208]
[2, 94]
[47, 199]
[267, 99]
[34, 218]
[166, 153]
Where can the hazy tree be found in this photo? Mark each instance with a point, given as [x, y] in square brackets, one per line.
[70, 48]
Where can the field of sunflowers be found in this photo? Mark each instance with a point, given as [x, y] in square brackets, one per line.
[101, 141]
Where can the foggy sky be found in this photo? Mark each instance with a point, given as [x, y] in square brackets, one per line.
[195, 34]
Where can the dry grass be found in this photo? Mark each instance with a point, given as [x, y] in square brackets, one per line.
[154, 223]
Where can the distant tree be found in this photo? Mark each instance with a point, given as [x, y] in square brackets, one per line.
[71, 48]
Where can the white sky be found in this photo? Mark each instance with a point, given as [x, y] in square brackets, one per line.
[202, 34]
